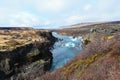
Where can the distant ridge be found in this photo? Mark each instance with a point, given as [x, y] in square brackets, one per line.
[16, 28]
[91, 24]
[114, 22]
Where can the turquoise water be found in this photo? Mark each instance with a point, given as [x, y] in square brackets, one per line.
[65, 49]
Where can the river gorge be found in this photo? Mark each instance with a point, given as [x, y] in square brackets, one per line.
[65, 49]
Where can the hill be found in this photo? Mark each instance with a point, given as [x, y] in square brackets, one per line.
[100, 58]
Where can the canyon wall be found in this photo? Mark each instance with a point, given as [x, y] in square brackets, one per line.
[28, 61]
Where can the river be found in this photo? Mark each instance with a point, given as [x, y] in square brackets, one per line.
[65, 49]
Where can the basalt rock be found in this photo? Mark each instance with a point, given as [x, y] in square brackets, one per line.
[28, 61]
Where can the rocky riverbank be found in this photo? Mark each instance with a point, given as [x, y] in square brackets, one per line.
[25, 54]
[100, 58]
[91, 32]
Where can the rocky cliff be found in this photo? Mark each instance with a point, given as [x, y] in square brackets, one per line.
[100, 58]
[25, 54]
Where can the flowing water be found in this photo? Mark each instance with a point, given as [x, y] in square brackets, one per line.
[65, 49]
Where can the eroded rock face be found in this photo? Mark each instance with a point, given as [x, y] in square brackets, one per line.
[99, 60]
[28, 61]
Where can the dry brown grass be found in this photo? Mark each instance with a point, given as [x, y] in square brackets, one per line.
[100, 60]
[9, 38]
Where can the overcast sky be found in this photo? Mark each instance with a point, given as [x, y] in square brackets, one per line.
[56, 13]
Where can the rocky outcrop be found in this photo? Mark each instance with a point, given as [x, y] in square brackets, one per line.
[100, 58]
[101, 32]
[92, 31]
[28, 61]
